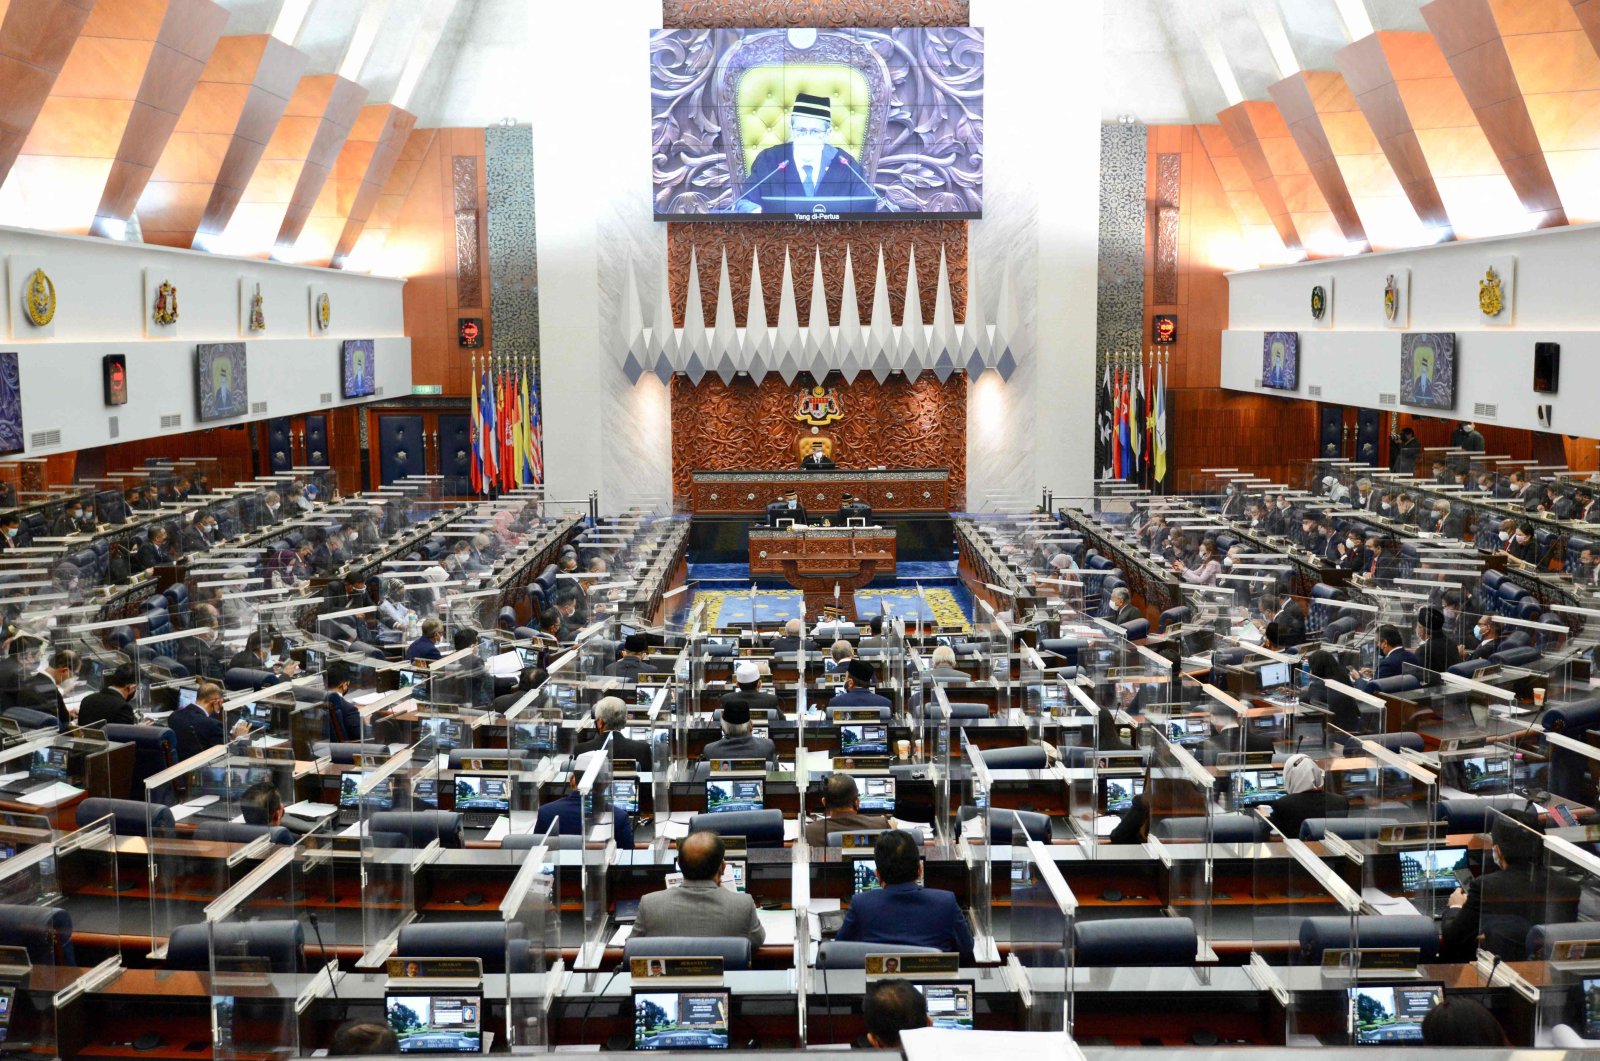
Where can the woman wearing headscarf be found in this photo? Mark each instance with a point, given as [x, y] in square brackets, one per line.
[1325, 667]
[1302, 780]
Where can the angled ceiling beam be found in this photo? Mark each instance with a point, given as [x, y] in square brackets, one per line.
[35, 40]
[368, 249]
[1431, 136]
[220, 137]
[1473, 35]
[1283, 179]
[1262, 242]
[333, 129]
[1347, 160]
[363, 166]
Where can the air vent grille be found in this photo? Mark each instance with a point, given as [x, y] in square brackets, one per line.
[1314, 390]
[171, 420]
[45, 438]
[113, 428]
[1387, 399]
[258, 407]
[1480, 409]
[327, 396]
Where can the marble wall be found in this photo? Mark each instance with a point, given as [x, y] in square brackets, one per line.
[1119, 317]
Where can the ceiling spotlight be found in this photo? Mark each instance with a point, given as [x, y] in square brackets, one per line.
[1128, 119]
[508, 121]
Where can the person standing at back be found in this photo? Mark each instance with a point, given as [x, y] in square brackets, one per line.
[903, 911]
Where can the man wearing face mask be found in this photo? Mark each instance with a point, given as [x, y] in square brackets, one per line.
[1484, 637]
[1587, 571]
[1352, 557]
[1433, 649]
[1232, 502]
[71, 521]
[1364, 498]
[1290, 617]
[1467, 437]
[1514, 893]
[1280, 520]
[1405, 510]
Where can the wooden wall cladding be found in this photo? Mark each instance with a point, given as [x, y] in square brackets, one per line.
[801, 240]
[1209, 428]
[901, 424]
[771, 14]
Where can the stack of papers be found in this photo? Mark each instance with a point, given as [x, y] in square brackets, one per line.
[54, 793]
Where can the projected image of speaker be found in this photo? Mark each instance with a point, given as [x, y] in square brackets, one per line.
[1546, 367]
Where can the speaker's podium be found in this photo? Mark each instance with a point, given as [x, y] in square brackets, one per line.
[819, 560]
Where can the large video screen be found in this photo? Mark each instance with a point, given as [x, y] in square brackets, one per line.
[817, 124]
[224, 386]
[1428, 369]
[1280, 360]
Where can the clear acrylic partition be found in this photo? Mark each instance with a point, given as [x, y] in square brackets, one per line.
[388, 886]
[1407, 788]
[1031, 685]
[253, 999]
[936, 752]
[599, 845]
[534, 966]
[1565, 967]
[975, 846]
[181, 868]
[1039, 928]
[1178, 791]
[1289, 880]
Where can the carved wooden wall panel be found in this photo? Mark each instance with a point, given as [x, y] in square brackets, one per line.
[769, 14]
[464, 188]
[901, 424]
[770, 239]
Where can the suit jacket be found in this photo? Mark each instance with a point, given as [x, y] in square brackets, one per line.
[818, 462]
[196, 731]
[699, 908]
[1486, 649]
[787, 643]
[860, 698]
[758, 702]
[741, 748]
[1502, 906]
[621, 748]
[629, 668]
[1128, 614]
[838, 176]
[246, 660]
[909, 914]
[1394, 664]
[107, 705]
[568, 810]
[1290, 811]
[145, 556]
[349, 719]
[1436, 654]
[817, 831]
[422, 648]
[1291, 620]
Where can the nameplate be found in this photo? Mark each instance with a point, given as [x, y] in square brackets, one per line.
[738, 766]
[856, 841]
[483, 764]
[861, 762]
[362, 759]
[913, 964]
[1412, 832]
[1372, 959]
[675, 968]
[855, 714]
[284, 754]
[624, 766]
[434, 968]
[1576, 950]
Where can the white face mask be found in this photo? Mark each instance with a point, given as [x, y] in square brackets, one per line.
[1353, 543]
[1505, 536]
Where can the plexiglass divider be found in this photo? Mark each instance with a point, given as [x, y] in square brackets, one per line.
[388, 872]
[1040, 928]
[976, 848]
[255, 935]
[531, 910]
[1179, 794]
[599, 842]
[180, 869]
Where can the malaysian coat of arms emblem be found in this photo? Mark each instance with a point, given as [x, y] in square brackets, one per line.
[1391, 297]
[258, 315]
[40, 299]
[324, 312]
[1319, 302]
[1491, 293]
[819, 406]
[166, 307]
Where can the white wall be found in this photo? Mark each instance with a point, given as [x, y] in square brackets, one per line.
[102, 309]
[1357, 358]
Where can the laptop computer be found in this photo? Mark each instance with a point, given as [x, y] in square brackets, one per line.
[445, 1022]
[482, 798]
[1482, 775]
[535, 736]
[1116, 793]
[686, 1019]
[735, 794]
[45, 767]
[950, 1002]
[1274, 676]
[1431, 870]
[1188, 731]
[863, 739]
[876, 794]
[1390, 1014]
[380, 798]
[1251, 788]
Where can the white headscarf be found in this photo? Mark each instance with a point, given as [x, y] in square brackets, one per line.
[1301, 774]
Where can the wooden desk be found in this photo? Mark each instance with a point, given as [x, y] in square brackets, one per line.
[819, 560]
[746, 493]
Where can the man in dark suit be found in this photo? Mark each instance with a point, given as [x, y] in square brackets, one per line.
[1405, 509]
[10, 527]
[197, 725]
[111, 704]
[1497, 909]
[804, 166]
[1122, 609]
[842, 811]
[1393, 655]
[858, 688]
[1485, 637]
[786, 507]
[817, 460]
[568, 810]
[71, 521]
[425, 649]
[611, 717]
[1586, 511]
[793, 638]
[1232, 502]
[903, 911]
[1287, 613]
[632, 662]
[151, 551]
[1434, 652]
[738, 741]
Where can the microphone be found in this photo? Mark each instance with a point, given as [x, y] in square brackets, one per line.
[333, 981]
[882, 199]
[777, 170]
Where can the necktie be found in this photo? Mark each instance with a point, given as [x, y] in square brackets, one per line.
[805, 175]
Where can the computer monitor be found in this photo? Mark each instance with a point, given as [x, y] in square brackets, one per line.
[447, 1022]
[49, 764]
[1390, 1014]
[188, 696]
[380, 798]
[483, 792]
[535, 736]
[1481, 775]
[625, 795]
[863, 875]
[529, 657]
[735, 794]
[688, 1019]
[1116, 793]
[1188, 731]
[425, 794]
[1432, 870]
[950, 1003]
[446, 732]
[877, 794]
[870, 738]
[1589, 993]
[1254, 787]
[1274, 675]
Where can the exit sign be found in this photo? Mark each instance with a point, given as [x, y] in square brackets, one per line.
[427, 388]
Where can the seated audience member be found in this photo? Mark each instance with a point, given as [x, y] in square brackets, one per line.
[1393, 655]
[738, 741]
[1134, 826]
[842, 803]
[1434, 651]
[527, 678]
[567, 608]
[631, 662]
[943, 665]
[250, 657]
[1122, 608]
[344, 718]
[1205, 569]
[611, 717]
[426, 647]
[261, 804]
[700, 906]
[197, 726]
[1483, 640]
[747, 676]
[363, 1037]
[840, 653]
[1495, 912]
[113, 702]
[903, 911]
[858, 683]
[568, 811]
[1325, 666]
[1460, 1021]
[874, 638]
[1302, 781]
[793, 639]
[892, 1007]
